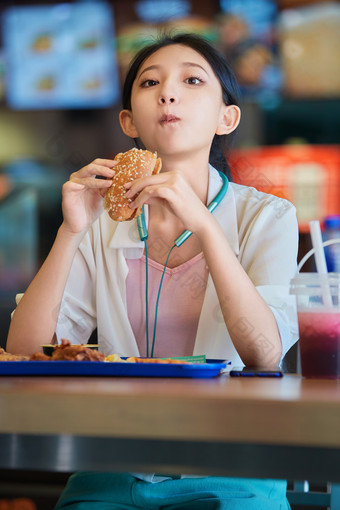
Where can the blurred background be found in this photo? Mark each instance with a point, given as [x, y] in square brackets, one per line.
[61, 69]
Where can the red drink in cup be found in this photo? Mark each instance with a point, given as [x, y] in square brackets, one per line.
[320, 343]
[318, 311]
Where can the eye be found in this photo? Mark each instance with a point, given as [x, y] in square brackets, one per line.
[148, 83]
[194, 80]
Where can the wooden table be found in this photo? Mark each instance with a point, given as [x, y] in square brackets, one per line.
[278, 428]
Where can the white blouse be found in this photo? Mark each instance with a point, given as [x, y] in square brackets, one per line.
[262, 231]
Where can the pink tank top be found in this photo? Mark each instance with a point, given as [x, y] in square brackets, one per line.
[179, 307]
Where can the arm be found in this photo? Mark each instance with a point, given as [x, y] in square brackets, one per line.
[35, 318]
[267, 260]
[267, 257]
[249, 320]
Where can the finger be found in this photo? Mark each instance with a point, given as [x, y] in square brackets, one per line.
[90, 182]
[93, 171]
[109, 163]
[150, 193]
[102, 171]
[138, 185]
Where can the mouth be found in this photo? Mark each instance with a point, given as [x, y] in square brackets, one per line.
[168, 119]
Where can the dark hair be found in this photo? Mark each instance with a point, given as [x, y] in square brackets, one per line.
[230, 90]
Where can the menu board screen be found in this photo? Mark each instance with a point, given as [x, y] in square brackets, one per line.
[60, 56]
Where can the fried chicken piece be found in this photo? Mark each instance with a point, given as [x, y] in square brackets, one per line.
[39, 356]
[66, 351]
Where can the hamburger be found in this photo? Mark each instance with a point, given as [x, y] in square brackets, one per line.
[131, 165]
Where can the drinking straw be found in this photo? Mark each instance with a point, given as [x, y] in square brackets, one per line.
[320, 260]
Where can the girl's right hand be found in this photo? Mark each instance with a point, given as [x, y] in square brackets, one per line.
[82, 195]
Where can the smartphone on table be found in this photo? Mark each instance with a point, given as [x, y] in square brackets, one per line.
[256, 372]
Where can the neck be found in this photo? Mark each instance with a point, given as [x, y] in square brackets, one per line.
[161, 219]
[194, 168]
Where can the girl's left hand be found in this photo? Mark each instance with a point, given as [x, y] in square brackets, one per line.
[171, 190]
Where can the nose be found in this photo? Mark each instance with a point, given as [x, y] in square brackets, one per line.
[168, 92]
[164, 99]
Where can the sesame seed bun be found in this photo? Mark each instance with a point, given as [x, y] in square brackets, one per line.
[132, 164]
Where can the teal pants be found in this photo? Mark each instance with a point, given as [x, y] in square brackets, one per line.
[113, 491]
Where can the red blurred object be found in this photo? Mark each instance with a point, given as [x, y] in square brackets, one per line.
[17, 504]
[307, 175]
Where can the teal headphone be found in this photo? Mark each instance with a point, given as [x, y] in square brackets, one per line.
[143, 235]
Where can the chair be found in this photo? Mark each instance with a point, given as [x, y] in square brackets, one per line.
[300, 494]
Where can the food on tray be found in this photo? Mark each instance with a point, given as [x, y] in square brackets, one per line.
[132, 164]
[114, 358]
[6, 356]
[49, 348]
[67, 351]
[64, 351]
[81, 352]
[39, 356]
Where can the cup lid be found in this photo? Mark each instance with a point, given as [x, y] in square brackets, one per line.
[315, 277]
[313, 281]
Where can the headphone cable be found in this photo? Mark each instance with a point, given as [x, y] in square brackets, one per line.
[146, 298]
[157, 300]
[143, 235]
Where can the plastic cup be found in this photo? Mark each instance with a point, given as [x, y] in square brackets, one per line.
[319, 324]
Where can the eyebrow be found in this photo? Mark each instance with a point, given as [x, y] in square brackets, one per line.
[184, 64]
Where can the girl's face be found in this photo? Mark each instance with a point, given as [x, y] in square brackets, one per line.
[176, 103]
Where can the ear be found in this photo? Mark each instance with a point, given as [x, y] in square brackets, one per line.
[127, 125]
[230, 119]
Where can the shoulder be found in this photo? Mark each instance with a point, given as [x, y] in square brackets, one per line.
[249, 200]
[255, 196]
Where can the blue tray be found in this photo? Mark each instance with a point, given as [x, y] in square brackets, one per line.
[211, 368]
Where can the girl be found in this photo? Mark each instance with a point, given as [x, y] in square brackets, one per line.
[225, 289]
